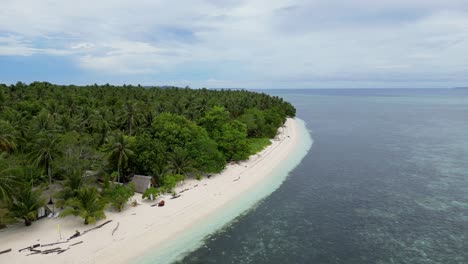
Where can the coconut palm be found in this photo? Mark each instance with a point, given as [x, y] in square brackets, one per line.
[42, 123]
[7, 137]
[88, 205]
[101, 123]
[131, 116]
[44, 151]
[8, 181]
[26, 202]
[74, 181]
[180, 162]
[120, 151]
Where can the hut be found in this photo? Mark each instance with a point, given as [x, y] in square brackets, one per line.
[141, 183]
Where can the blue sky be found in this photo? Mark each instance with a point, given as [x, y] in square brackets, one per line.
[250, 44]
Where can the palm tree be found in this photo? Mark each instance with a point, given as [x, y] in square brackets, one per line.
[120, 151]
[8, 181]
[65, 123]
[44, 151]
[88, 205]
[42, 123]
[26, 202]
[74, 181]
[180, 162]
[7, 138]
[131, 116]
[101, 123]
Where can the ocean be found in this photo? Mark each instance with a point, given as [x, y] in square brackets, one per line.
[386, 181]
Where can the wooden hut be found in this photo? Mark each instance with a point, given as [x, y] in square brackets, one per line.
[141, 183]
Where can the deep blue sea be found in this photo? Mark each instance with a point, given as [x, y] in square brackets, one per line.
[386, 181]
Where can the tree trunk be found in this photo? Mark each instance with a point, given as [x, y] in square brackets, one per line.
[118, 173]
[49, 173]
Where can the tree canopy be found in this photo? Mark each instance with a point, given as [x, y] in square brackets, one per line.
[56, 133]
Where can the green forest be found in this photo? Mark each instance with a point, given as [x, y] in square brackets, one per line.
[71, 144]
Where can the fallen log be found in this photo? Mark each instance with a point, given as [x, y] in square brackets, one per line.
[77, 243]
[175, 196]
[184, 190]
[30, 247]
[52, 250]
[61, 251]
[77, 234]
[5, 251]
[51, 244]
[97, 227]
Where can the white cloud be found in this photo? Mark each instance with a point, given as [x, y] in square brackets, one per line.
[272, 42]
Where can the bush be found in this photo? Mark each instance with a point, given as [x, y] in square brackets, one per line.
[169, 182]
[88, 204]
[5, 217]
[154, 191]
[118, 195]
[198, 176]
[25, 204]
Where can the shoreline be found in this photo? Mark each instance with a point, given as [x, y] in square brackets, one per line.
[161, 234]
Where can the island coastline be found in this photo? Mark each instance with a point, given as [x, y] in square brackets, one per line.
[146, 233]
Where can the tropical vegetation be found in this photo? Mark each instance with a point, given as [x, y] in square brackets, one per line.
[79, 146]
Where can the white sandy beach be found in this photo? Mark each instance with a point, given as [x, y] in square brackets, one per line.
[145, 229]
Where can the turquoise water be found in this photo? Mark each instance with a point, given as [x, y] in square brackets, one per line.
[192, 239]
[386, 181]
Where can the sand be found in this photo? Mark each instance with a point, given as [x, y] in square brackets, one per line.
[143, 230]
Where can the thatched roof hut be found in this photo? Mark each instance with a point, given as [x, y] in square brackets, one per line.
[141, 183]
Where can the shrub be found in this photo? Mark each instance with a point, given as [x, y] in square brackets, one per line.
[169, 182]
[88, 204]
[154, 191]
[25, 204]
[118, 195]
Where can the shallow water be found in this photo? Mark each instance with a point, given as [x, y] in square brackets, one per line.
[193, 238]
[386, 181]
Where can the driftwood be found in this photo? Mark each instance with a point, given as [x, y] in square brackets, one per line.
[5, 251]
[51, 244]
[77, 234]
[77, 243]
[45, 252]
[52, 250]
[115, 229]
[61, 251]
[175, 196]
[184, 190]
[30, 247]
[238, 178]
[97, 227]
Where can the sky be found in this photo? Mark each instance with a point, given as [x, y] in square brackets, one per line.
[236, 44]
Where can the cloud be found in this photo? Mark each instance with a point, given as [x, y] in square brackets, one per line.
[265, 43]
